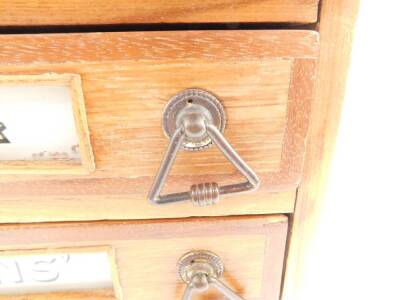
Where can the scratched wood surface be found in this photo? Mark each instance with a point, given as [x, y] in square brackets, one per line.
[146, 252]
[265, 80]
[75, 12]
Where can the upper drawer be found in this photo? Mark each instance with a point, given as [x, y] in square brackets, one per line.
[74, 12]
[264, 79]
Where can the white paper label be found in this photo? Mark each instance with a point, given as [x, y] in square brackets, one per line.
[37, 123]
[54, 272]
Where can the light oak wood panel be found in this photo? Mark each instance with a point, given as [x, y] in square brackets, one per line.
[78, 12]
[208, 45]
[75, 295]
[125, 101]
[146, 252]
[245, 276]
[336, 29]
[265, 80]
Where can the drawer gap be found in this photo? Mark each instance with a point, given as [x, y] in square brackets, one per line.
[152, 27]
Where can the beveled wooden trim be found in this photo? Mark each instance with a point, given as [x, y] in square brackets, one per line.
[101, 294]
[81, 123]
[117, 288]
[86, 164]
[100, 233]
[156, 45]
[49, 251]
[121, 207]
[81, 12]
[301, 95]
[336, 31]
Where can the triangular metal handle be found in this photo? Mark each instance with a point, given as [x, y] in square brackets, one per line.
[219, 285]
[194, 122]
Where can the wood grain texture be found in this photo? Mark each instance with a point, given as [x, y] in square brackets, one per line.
[75, 295]
[80, 12]
[263, 78]
[172, 46]
[52, 209]
[336, 29]
[86, 163]
[146, 252]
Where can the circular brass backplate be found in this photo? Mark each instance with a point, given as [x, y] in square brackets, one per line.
[193, 100]
[200, 261]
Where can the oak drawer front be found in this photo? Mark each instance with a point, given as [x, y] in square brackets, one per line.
[264, 79]
[144, 255]
[80, 12]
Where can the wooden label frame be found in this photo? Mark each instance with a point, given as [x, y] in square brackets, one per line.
[86, 165]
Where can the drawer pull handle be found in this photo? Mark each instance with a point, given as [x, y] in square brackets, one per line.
[200, 270]
[194, 119]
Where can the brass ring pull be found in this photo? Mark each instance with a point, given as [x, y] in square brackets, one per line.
[193, 120]
[200, 270]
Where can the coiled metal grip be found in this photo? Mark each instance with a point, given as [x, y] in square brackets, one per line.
[204, 194]
[193, 120]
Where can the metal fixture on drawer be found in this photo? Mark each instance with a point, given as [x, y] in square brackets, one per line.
[194, 119]
[200, 270]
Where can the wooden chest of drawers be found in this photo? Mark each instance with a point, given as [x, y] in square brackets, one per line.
[271, 70]
[265, 80]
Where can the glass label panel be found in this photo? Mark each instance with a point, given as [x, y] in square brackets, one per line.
[37, 123]
[43, 273]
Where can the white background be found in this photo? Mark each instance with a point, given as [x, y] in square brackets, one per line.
[355, 254]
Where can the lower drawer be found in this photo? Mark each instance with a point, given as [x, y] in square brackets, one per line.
[144, 256]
